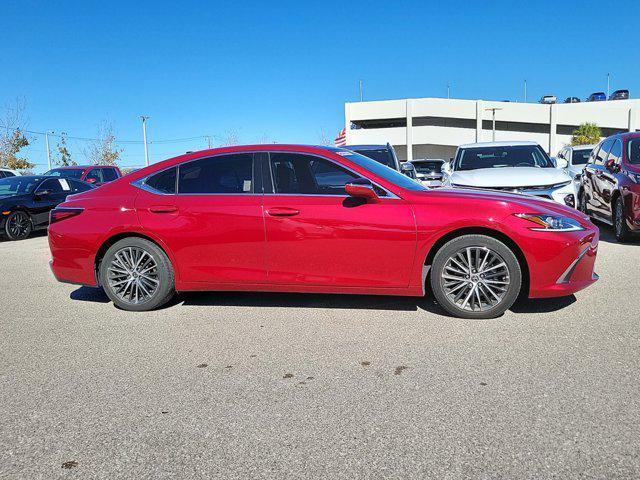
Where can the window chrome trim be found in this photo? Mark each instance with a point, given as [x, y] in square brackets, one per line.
[140, 183]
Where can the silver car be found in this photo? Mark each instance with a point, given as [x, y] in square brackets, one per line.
[575, 158]
[429, 171]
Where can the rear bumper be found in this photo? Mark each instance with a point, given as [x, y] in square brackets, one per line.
[72, 260]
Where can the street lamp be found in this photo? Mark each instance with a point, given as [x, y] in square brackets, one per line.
[493, 111]
[144, 119]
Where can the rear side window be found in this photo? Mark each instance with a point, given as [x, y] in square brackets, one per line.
[308, 175]
[78, 186]
[163, 182]
[109, 174]
[224, 174]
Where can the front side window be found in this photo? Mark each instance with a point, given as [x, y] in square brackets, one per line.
[222, 174]
[603, 152]
[580, 157]
[95, 175]
[296, 173]
[504, 156]
[633, 151]
[616, 152]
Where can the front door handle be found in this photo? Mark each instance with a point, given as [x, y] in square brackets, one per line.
[163, 209]
[282, 212]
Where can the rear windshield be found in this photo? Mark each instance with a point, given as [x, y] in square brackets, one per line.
[382, 156]
[428, 167]
[504, 156]
[580, 157]
[65, 173]
[634, 151]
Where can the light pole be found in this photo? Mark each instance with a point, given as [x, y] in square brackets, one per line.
[448, 91]
[360, 90]
[144, 137]
[525, 91]
[46, 141]
[208, 137]
[608, 83]
[493, 111]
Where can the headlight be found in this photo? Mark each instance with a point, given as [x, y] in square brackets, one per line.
[635, 177]
[551, 223]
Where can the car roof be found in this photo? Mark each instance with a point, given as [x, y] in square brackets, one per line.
[496, 144]
[582, 147]
[364, 147]
[76, 167]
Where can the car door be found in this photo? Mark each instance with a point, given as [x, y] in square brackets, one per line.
[208, 212]
[607, 180]
[319, 236]
[593, 173]
[50, 193]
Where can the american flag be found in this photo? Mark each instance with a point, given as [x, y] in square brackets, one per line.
[341, 139]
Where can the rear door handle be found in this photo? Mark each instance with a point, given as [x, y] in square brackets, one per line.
[282, 212]
[163, 209]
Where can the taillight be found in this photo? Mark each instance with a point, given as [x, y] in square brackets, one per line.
[58, 214]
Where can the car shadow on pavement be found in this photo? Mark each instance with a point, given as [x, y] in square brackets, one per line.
[89, 294]
[542, 305]
[607, 235]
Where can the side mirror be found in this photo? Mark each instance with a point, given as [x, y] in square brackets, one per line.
[611, 165]
[560, 162]
[91, 180]
[362, 188]
[408, 169]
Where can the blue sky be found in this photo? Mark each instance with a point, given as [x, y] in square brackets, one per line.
[282, 72]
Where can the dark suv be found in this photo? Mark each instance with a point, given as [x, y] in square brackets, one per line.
[610, 184]
[93, 174]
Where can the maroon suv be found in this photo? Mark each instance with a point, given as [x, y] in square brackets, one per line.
[94, 174]
[610, 184]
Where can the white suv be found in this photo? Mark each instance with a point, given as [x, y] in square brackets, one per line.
[517, 167]
[7, 172]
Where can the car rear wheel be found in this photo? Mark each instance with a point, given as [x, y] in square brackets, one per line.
[582, 202]
[619, 223]
[475, 276]
[18, 225]
[137, 275]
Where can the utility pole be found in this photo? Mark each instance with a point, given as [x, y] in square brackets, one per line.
[46, 141]
[144, 137]
[525, 91]
[448, 91]
[608, 83]
[208, 137]
[493, 111]
[360, 90]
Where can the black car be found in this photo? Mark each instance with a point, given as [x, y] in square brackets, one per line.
[25, 202]
[619, 95]
[572, 100]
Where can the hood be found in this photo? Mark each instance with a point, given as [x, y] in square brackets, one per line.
[509, 177]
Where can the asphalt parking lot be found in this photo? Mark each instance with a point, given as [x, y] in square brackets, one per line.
[234, 385]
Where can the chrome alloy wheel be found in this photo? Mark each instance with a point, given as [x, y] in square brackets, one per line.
[475, 279]
[18, 225]
[133, 275]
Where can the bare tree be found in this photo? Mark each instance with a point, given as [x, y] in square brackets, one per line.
[103, 150]
[230, 137]
[12, 137]
[323, 139]
[64, 155]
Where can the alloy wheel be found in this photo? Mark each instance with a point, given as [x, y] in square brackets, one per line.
[18, 225]
[475, 279]
[619, 219]
[133, 275]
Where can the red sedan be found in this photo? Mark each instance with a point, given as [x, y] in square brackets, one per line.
[315, 219]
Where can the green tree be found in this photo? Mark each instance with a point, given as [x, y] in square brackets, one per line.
[586, 134]
[64, 156]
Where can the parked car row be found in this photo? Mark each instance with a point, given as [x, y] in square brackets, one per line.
[594, 97]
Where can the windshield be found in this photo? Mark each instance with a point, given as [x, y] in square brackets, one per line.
[634, 151]
[383, 171]
[381, 155]
[18, 185]
[504, 156]
[580, 157]
[429, 166]
[65, 172]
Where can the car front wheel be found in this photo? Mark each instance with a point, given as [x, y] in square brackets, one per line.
[475, 276]
[619, 223]
[137, 275]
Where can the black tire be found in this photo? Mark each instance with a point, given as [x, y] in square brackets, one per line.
[503, 269]
[620, 226]
[18, 225]
[116, 272]
[582, 202]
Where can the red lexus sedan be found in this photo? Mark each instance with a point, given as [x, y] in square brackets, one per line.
[290, 218]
